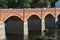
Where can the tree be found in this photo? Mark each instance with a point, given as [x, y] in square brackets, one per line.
[54, 2]
[11, 4]
[3, 4]
[27, 3]
[33, 3]
[47, 3]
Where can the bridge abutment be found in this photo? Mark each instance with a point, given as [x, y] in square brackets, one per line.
[2, 31]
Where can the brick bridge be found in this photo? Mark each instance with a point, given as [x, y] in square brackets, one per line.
[42, 18]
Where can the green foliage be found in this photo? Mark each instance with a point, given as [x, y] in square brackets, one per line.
[16, 1]
[47, 3]
[53, 2]
[25, 3]
[3, 4]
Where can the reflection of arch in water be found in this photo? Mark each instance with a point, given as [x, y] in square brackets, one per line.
[34, 26]
[14, 28]
[50, 25]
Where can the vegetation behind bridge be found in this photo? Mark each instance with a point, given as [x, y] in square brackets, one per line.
[27, 3]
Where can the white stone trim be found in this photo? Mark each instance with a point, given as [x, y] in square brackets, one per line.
[43, 27]
[26, 30]
[2, 30]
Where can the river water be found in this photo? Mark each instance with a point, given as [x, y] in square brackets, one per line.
[10, 36]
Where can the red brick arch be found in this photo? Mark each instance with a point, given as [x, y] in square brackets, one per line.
[32, 15]
[6, 17]
[6, 13]
[48, 14]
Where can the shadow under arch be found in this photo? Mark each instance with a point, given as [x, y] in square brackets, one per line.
[58, 22]
[34, 27]
[58, 26]
[50, 25]
[14, 28]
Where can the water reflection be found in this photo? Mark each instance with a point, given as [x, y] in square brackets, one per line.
[11, 36]
[33, 34]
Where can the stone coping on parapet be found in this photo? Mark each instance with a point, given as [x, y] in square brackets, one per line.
[30, 8]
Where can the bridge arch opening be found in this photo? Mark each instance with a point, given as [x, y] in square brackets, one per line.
[50, 25]
[14, 28]
[58, 22]
[34, 27]
[58, 25]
